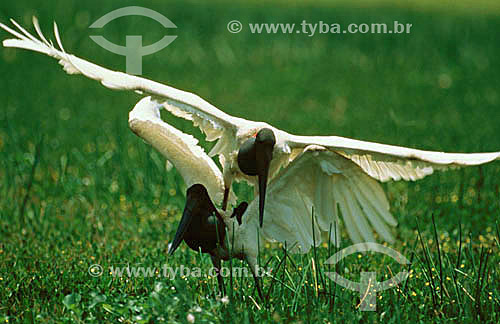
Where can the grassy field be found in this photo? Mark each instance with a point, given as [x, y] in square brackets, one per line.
[78, 188]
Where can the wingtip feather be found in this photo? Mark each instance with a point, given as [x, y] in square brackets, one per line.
[38, 30]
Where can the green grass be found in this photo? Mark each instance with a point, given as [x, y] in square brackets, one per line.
[96, 194]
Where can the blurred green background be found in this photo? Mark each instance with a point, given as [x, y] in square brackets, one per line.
[99, 194]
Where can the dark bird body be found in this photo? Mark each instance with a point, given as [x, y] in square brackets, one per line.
[202, 227]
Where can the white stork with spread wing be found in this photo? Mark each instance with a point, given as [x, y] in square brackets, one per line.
[317, 177]
[302, 171]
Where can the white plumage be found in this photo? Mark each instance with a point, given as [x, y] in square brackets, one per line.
[312, 179]
[306, 171]
[182, 149]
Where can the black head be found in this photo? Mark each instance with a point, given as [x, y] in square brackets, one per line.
[266, 136]
[197, 191]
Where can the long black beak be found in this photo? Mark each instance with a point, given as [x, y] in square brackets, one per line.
[187, 218]
[264, 157]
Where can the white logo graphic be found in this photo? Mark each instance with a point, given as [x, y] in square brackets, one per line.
[368, 287]
[133, 49]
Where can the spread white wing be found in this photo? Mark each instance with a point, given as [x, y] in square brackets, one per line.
[330, 183]
[182, 150]
[388, 162]
[212, 121]
[332, 174]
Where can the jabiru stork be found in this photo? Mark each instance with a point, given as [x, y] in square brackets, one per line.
[317, 177]
[256, 151]
[303, 171]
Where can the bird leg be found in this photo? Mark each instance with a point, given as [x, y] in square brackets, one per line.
[226, 198]
[253, 268]
[216, 261]
[257, 284]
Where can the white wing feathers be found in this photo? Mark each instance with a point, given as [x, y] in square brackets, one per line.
[331, 173]
[182, 150]
[328, 182]
[212, 121]
[385, 162]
